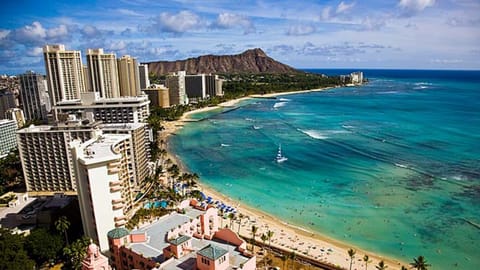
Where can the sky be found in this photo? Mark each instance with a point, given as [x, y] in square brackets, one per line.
[403, 34]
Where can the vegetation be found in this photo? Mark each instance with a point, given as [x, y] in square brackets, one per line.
[237, 85]
[13, 255]
[351, 254]
[62, 224]
[366, 259]
[381, 265]
[43, 246]
[11, 175]
[75, 253]
[420, 263]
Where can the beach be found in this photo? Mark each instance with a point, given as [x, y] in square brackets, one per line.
[286, 236]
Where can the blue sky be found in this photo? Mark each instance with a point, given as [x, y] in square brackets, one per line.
[417, 34]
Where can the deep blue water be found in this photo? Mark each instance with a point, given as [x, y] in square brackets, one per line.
[392, 167]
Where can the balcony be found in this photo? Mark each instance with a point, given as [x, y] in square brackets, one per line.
[120, 218]
[115, 189]
[120, 223]
[115, 183]
[113, 170]
[118, 206]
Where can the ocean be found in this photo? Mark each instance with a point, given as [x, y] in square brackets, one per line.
[392, 167]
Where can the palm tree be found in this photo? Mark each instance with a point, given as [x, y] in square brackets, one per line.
[254, 231]
[240, 217]
[381, 265]
[404, 268]
[231, 216]
[284, 260]
[366, 260]
[292, 257]
[264, 238]
[420, 263]
[62, 224]
[270, 235]
[351, 254]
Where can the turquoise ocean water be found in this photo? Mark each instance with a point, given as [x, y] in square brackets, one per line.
[392, 167]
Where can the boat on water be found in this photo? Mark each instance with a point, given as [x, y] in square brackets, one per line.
[280, 158]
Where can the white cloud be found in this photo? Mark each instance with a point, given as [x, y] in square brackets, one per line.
[344, 7]
[4, 33]
[300, 30]
[35, 52]
[230, 20]
[369, 24]
[177, 23]
[30, 34]
[416, 5]
[326, 13]
[128, 12]
[58, 34]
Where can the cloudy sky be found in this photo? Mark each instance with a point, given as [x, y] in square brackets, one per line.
[417, 34]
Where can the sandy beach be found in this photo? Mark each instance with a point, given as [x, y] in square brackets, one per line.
[286, 236]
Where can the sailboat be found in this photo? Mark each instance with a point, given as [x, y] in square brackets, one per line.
[279, 157]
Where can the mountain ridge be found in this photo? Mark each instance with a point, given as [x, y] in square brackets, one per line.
[249, 61]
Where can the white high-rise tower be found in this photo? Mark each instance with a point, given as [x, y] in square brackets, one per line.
[103, 73]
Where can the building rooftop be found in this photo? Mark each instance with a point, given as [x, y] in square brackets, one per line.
[212, 252]
[179, 240]
[100, 149]
[5, 121]
[118, 233]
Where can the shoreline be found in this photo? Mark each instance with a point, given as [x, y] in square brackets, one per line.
[288, 237]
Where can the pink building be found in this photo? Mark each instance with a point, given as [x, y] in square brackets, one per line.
[95, 260]
[187, 240]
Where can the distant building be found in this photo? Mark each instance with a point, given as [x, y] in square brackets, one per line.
[202, 86]
[128, 76]
[108, 110]
[143, 75]
[186, 241]
[103, 73]
[34, 96]
[7, 101]
[8, 128]
[16, 115]
[64, 69]
[105, 193]
[176, 88]
[356, 77]
[158, 96]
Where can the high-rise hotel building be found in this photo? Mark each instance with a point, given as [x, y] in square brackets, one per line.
[7, 136]
[64, 73]
[34, 96]
[103, 73]
[129, 76]
[106, 195]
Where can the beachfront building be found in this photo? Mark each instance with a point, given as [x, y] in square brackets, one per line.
[356, 77]
[16, 115]
[64, 69]
[143, 75]
[105, 191]
[128, 76]
[158, 95]
[176, 88]
[187, 239]
[139, 149]
[103, 73]
[202, 86]
[108, 110]
[34, 97]
[45, 156]
[8, 128]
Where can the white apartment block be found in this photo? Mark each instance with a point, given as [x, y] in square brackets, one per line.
[8, 129]
[64, 69]
[176, 88]
[16, 115]
[128, 76]
[103, 73]
[104, 189]
[108, 110]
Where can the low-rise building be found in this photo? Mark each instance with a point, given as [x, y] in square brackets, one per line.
[189, 239]
[158, 95]
[16, 115]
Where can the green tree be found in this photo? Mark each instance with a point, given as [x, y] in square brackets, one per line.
[351, 254]
[231, 216]
[43, 246]
[254, 232]
[284, 259]
[240, 217]
[292, 256]
[62, 224]
[264, 238]
[420, 263]
[404, 268]
[270, 235]
[381, 265]
[366, 259]
[12, 253]
[75, 253]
